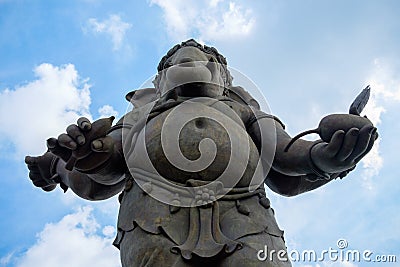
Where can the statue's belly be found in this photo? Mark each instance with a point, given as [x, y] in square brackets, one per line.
[207, 146]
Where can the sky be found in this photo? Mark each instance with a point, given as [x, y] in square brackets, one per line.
[60, 60]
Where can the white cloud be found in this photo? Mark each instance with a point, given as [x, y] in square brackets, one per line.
[109, 231]
[372, 164]
[385, 90]
[113, 26]
[43, 108]
[31, 113]
[73, 241]
[4, 261]
[214, 3]
[205, 19]
[107, 111]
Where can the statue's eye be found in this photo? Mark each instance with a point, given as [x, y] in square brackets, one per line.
[167, 64]
[212, 63]
[212, 59]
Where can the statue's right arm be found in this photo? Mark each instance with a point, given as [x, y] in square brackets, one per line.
[309, 164]
[291, 173]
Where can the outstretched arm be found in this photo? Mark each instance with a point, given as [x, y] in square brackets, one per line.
[309, 165]
[46, 176]
[85, 187]
[97, 172]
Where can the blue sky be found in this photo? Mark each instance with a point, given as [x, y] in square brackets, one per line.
[63, 59]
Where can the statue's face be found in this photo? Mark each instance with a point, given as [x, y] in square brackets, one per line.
[192, 73]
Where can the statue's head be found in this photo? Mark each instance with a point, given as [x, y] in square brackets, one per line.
[192, 69]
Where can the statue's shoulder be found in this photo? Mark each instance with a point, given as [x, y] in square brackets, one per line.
[141, 97]
[240, 95]
[142, 100]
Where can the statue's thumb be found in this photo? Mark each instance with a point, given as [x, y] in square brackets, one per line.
[104, 144]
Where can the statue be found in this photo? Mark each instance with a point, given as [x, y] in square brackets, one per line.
[197, 196]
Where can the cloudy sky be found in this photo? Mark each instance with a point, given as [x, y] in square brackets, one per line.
[60, 60]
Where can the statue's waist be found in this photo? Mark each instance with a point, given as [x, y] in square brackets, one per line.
[237, 215]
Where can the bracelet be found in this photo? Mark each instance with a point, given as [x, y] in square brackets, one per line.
[53, 165]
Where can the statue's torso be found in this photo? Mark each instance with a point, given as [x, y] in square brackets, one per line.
[235, 151]
[173, 138]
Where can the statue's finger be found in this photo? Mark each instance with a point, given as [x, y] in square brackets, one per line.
[56, 149]
[35, 175]
[33, 167]
[84, 124]
[97, 145]
[371, 142]
[49, 187]
[349, 141]
[39, 183]
[376, 135]
[335, 144]
[76, 134]
[52, 143]
[104, 144]
[37, 179]
[362, 142]
[66, 141]
[30, 160]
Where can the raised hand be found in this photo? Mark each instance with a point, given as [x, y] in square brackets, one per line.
[85, 145]
[345, 149]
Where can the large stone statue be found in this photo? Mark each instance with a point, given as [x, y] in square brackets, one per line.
[190, 161]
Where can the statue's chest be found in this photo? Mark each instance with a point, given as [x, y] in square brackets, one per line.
[197, 142]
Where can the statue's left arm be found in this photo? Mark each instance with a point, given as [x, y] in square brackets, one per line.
[96, 175]
[48, 170]
[311, 164]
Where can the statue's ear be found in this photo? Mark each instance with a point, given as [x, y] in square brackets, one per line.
[141, 97]
[240, 95]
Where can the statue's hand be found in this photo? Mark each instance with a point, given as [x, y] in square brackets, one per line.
[344, 150]
[85, 145]
[42, 171]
